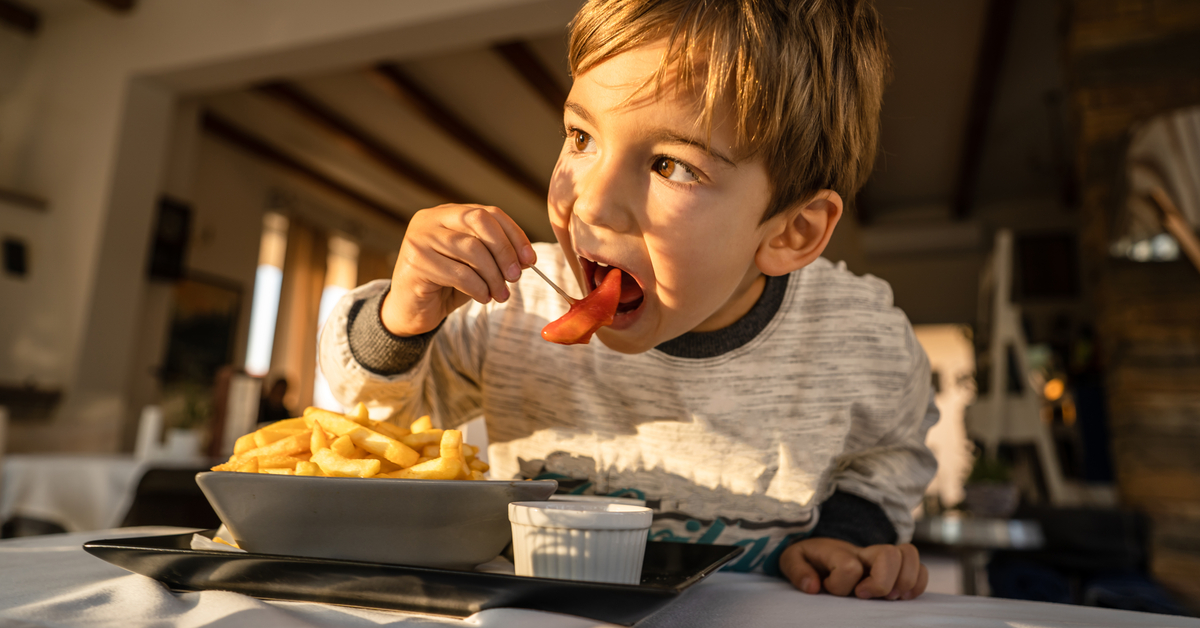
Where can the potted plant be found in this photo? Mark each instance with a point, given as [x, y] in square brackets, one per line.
[187, 413]
[989, 490]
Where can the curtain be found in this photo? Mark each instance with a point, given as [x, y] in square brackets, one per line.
[294, 354]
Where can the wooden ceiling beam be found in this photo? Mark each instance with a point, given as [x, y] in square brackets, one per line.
[521, 58]
[404, 88]
[20, 17]
[122, 6]
[239, 137]
[360, 140]
[997, 27]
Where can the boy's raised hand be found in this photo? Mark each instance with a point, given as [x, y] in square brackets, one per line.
[894, 572]
[452, 253]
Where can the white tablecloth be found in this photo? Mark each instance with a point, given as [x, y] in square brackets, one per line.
[77, 491]
[51, 581]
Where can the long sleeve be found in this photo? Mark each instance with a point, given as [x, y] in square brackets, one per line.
[822, 414]
[885, 460]
[440, 375]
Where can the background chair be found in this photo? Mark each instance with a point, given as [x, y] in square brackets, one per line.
[170, 497]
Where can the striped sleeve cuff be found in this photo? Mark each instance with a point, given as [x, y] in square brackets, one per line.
[855, 520]
[377, 349]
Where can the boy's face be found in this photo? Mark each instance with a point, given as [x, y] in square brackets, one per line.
[635, 188]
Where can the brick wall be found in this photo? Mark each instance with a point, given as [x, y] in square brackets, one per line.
[1129, 60]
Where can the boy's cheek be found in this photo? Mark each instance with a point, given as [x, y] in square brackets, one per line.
[558, 202]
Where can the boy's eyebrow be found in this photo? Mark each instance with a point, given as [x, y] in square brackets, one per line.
[660, 135]
[668, 136]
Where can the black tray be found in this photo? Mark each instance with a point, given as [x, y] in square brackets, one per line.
[667, 570]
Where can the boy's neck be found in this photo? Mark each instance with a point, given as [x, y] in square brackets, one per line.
[699, 345]
[746, 296]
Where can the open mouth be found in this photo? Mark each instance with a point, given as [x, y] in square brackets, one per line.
[632, 295]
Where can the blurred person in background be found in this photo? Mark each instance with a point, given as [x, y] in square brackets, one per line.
[271, 408]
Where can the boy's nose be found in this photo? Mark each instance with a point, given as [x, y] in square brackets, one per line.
[603, 195]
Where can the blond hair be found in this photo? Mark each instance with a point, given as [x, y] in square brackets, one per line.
[804, 79]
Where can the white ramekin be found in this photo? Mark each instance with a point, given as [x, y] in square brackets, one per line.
[597, 542]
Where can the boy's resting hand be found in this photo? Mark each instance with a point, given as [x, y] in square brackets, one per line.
[888, 571]
[452, 253]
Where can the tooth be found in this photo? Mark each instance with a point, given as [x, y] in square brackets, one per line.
[602, 264]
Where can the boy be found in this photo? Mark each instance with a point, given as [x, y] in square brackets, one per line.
[751, 392]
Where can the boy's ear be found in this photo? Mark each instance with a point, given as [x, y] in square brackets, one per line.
[798, 235]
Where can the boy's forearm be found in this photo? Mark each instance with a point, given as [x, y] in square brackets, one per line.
[376, 348]
[349, 379]
[433, 374]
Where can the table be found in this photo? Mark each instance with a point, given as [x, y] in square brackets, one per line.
[50, 581]
[77, 491]
[974, 539]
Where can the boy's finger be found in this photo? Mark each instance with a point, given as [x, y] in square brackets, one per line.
[516, 237]
[884, 565]
[845, 571]
[469, 251]
[797, 570]
[922, 582]
[486, 224]
[453, 274]
[910, 569]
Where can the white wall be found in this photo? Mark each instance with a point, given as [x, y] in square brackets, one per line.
[88, 127]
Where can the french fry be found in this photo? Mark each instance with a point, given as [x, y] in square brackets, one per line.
[418, 440]
[277, 462]
[380, 445]
[293, 444]
[323, 443]
[336, 465]
[436, 469]
[423, 424]
[335, 423]
[243, 444]
[309, 468]
[389, 430]
[385, 465]
[452, 445]
[265, 437]
[344, 447]
[319, 441]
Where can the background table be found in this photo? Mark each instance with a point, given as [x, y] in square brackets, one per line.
[76, 491]
[51, 581]
[973, 539]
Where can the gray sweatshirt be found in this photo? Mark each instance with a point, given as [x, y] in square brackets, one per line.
[816, 402]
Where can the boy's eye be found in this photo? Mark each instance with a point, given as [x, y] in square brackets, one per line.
[580, 140]
[672, 170]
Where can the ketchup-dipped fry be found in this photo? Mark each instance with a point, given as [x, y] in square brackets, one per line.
[588, 314]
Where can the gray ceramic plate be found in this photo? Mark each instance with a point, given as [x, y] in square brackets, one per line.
[428, 523]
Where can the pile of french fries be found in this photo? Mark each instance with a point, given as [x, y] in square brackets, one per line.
[324, 443]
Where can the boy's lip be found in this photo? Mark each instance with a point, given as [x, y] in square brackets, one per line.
[588, 262]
